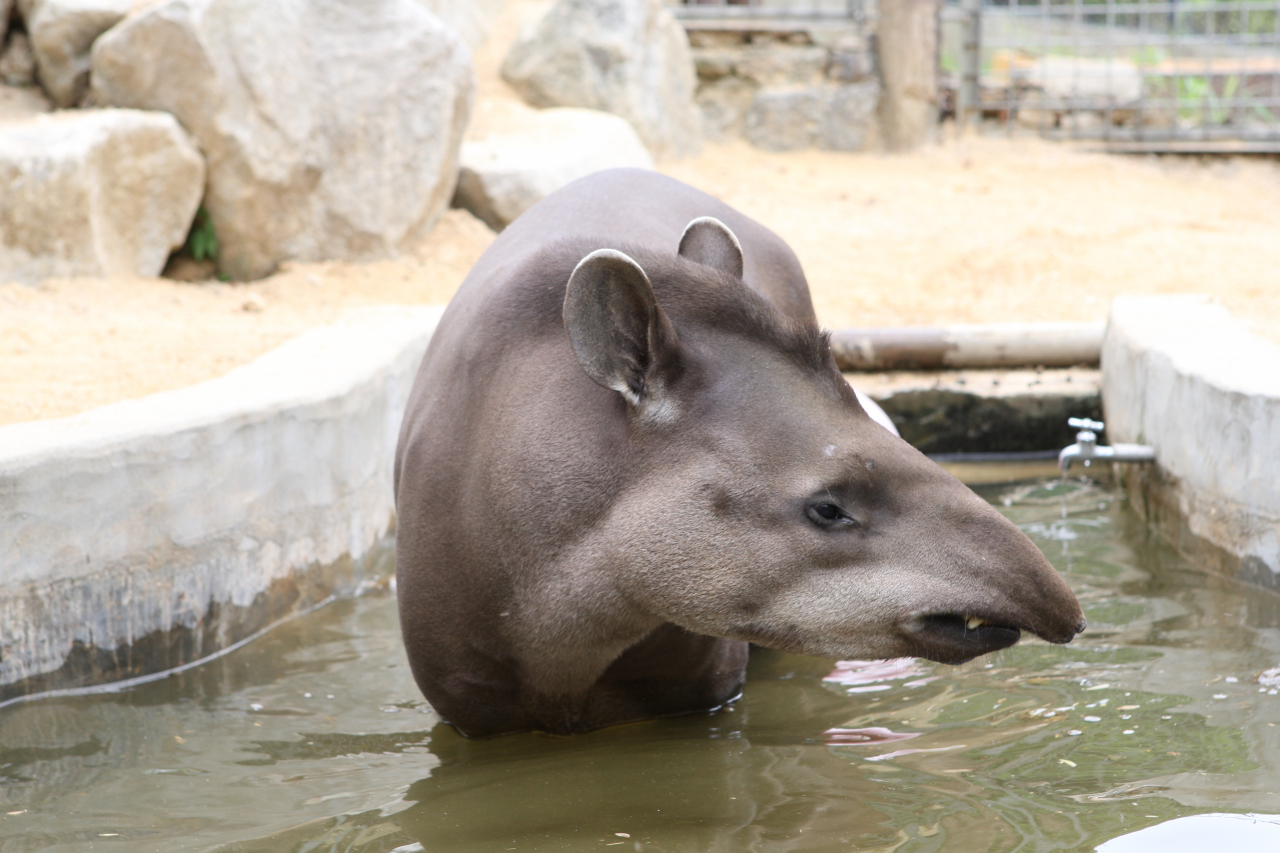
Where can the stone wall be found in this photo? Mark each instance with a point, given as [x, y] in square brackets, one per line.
[789, 90]
[838, 83]
[782, 76]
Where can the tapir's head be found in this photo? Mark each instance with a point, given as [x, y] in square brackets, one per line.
[769, 506]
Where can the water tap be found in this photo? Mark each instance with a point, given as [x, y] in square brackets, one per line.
[1086, 448]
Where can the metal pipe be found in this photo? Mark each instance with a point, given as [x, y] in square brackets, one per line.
[991, 345]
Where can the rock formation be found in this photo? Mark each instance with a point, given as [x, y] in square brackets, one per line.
[629, 57]
[472, 19]
[331, 128]
[506, 173]
[95, 192]
[785, 92]
[62, 32]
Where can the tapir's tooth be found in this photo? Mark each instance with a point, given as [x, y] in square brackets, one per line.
[974, 622]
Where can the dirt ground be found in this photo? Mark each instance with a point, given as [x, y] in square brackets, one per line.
[976, 230]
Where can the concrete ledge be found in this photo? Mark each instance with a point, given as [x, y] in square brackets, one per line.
[145, 534]
[985, 411]
[1180, 374]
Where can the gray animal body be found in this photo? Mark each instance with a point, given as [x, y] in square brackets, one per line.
[628, 453]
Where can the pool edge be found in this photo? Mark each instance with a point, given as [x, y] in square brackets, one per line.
[1181, 374]
[145, 534]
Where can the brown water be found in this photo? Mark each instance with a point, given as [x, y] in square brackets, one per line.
[314, 738]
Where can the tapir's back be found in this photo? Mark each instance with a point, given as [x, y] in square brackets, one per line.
[635, 207]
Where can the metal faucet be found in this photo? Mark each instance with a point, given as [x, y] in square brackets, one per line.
[1086, 448]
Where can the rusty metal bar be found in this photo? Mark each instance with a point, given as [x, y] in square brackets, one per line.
[990, 345]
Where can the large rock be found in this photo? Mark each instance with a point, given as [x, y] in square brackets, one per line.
[629, 57]
[504, 174]
[62, 33]
[472, 19]
[331, 127]
[95, 192]
[19, 103]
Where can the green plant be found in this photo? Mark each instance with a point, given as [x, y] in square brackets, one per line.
[1206, 101]
[1148, 55]
[202, 241]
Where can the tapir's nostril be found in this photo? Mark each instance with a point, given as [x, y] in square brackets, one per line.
[1081, 625]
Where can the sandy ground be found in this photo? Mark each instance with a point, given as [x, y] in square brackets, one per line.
[976, 230]
[73, 344]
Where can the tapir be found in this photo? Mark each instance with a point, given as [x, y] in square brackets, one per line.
[628, 454]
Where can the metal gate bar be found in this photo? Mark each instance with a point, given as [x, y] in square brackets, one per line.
[765, 14]
[1135, 74]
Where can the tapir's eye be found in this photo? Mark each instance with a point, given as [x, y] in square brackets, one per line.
[829, 515]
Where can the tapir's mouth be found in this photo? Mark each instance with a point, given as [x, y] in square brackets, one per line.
[953, 638]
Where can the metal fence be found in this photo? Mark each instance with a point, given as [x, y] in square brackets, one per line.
[767, 14]
[1143, 75]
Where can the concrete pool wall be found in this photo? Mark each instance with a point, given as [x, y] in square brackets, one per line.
[149, 533]
[1181, 374]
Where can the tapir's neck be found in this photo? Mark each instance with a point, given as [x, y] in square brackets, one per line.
[573, 622]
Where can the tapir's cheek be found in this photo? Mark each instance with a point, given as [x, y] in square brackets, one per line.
[826, 548]
[842, 550]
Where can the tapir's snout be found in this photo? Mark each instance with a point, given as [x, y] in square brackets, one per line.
[1033, 598]
[907, 561]
[952, 638]
[1069, 634]
[995, 584]
[957, 638]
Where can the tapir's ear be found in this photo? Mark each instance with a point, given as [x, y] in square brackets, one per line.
[709, 241]
[622, 339]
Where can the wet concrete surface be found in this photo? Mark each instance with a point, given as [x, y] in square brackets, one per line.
[985, 411]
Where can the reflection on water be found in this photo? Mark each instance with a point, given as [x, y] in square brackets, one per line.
[1198, 833]
[315, 738]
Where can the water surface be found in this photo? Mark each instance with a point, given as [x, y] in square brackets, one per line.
[314, 738]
